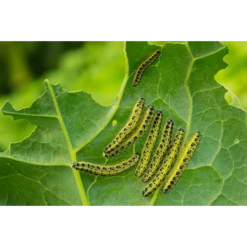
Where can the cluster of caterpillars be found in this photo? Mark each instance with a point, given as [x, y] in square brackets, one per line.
[159, 164]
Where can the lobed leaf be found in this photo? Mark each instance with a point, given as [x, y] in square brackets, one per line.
[72, 126]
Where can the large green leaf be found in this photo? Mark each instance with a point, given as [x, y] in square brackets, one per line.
[72, 126]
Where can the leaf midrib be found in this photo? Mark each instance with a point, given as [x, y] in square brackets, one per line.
[79, 184]
[189, 119]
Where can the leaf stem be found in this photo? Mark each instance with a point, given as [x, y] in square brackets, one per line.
[188, 92]
[154, 197]
[80, 187]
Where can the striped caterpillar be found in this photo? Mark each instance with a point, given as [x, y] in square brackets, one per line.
[149, 144]
[138, 132]
[163, 164]
[128, 128]
[182, 162]
[166, 164]
[144, 66]
[110, 170]
[160, 151]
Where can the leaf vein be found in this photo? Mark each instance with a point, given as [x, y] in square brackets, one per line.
[72, 153]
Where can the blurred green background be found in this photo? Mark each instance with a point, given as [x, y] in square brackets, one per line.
[96, 67]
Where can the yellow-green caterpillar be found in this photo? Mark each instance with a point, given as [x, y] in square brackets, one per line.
[166, 164]
[138, 132]
[182, 162]
[110, 170]
[160, 151]
[128, 128]
[144, 66]
[149, 144]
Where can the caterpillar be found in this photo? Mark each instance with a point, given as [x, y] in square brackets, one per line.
[149, 144]
[182, 162]
[160, 151]
[129, 127]
[110, 170]
[166, 164]
[142, 127]
[144, 66]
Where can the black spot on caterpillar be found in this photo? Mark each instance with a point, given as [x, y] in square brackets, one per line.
[128, 128]
[149, 144]
[182, 162]
[110, 170]
[160, 151]
[144, 66]
[138, 132]
[166, 164]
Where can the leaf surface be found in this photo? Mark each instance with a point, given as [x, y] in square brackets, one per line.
[72, 126]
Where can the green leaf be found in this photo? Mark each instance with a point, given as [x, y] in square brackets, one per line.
[72, 126]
